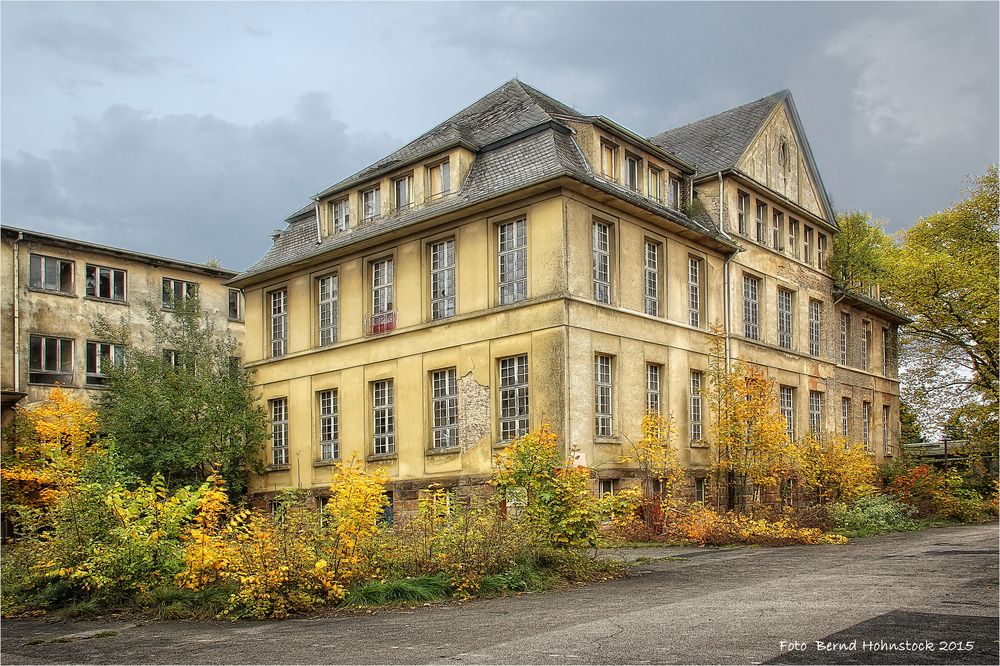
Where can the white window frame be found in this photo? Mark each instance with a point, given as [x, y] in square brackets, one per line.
[654, 184]
[651, 274]
[777, 229]
[340, 215]
[815, 327]
[370, 210]
[235, 313]
[694, 291]
[786, 332]
[866, 426]
[786, 401]
[442, 276]
[600, 239]
[406, 200]
[279, 431]
[654, 396]
[512, 261]
[845, 338]
[328, 306]
[383, 286]
[695, 412]
[742, 199]
[886, 433]
[279, 321]
[674, 193]
[383, 418]
[793, 236]
[609, 158]
[441, 172]
[845, 417]
[329, 425]
[633, 172]
[807, 242]
[760, 223]
[751, 307]
[603, 396]
[816, 412]
[513, 395]
[866, 335]
[444, 408]
[821, 251]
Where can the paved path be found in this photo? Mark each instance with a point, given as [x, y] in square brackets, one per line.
[709, 606]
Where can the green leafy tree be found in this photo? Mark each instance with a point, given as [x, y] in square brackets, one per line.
[909, 426]
[186, 413]
[860, 250]
[943, 275]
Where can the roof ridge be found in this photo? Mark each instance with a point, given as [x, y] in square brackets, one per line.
[784, 92]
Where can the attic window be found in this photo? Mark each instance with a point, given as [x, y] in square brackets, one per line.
[783, 153]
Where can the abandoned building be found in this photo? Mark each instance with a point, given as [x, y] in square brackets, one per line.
[522, 263]
[55, 288]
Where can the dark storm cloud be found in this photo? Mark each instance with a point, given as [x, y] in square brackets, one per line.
[188, 186]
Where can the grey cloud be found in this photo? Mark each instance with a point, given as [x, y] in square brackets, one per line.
[106, 46]
[188, 186]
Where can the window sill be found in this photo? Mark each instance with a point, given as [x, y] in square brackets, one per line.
[614, 441]
[443, 451]
[235, 321]
[113, 301]
[502, 445]
[53, 383]
[53, 292]
[376, 457]
[326, 463]
[700, 445]
[278, 468]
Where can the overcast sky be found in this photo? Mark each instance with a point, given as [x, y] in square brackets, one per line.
[191, 129]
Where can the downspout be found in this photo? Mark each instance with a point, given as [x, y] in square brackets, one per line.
[726, 322]
[17, 312]
[319, 231]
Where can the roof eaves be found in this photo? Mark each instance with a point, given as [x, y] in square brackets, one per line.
[871, 304]
[677, 161]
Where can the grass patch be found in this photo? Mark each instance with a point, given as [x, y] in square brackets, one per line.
[431, 587]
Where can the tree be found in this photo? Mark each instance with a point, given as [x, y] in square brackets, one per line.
[750, 436]
[186, 413]
[860, 250]
[909, 426]
[943, 275]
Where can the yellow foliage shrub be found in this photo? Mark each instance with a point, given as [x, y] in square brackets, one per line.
[701, 524]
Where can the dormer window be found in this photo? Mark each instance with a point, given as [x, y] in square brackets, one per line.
[371, 203]
[439, 179]
[654, 184]
[401, 190]
[609, 160]
[340, 215]
[633, 171]
[675, 193]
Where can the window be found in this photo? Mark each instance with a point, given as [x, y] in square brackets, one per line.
[401, 188]
[609, 160]
[329, 425]
[443, 279]
[886, 434]
[651, 270]
[793, 237]
[607, 487]
[388, 509]
[235, 305]
[815, 326]
[821, 251]
[383, 315]
[340, 215]
[807, 243]
[633, 172]
[694, 413]
[653, 388]
[279, 321]
[602, 262]
[279, 431]
[866, 425]
[742, 201]
[512, 261]
[786, 395]
[761, 223]
[329, 298]
[371, 203]
[50, 274]
[675, 193]
[172, 358]
[444, 405]
[778, 230]
[845, 417]
[106, 283]
[513, 397]
[50, 360]
[439, 178]
[175, 291]
[699, 489]
[784, 318]
[694, 291]
[603, 416]
[101, 356]
[751, 307]
[886, 349]
[866, 343]
[383, 418]
[845, 337]
[654, 184]
[815, 412]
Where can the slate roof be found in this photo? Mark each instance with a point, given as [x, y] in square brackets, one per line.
[519, 140]
[715, 143]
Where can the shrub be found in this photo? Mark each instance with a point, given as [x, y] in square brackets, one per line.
[703, 525]
[873, 515]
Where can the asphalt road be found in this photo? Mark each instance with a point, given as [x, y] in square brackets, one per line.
[918, 598]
